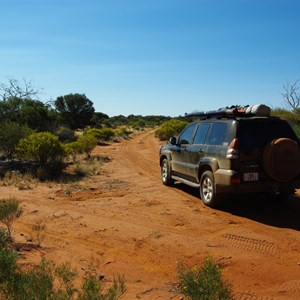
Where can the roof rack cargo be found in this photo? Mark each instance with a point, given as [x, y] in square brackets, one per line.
[260, 110]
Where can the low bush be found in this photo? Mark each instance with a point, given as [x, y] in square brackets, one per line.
[23, 181]
[92, 288]
[86, 168]
[72, 150]
[86, 143]
[101, 134]
[48, 281]
[39, 232]
[43, 148]
[204, 282]
[123, 132]
[91, 166]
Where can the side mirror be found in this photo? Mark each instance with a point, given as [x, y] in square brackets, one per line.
[184, 142]
[173, 140]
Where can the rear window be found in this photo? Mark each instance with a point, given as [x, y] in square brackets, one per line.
[256, 134]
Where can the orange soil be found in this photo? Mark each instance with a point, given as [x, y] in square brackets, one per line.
[125, 221]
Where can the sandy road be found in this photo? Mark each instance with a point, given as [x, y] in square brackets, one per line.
[125, 221]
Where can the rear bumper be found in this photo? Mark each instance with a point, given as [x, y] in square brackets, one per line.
[226, 183]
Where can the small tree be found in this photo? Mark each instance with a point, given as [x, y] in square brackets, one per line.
[76, 110]
[291, 95]
[10, 135]
[10, 210]
[16, 89]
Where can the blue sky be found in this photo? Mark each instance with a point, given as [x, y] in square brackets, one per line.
[153, 57]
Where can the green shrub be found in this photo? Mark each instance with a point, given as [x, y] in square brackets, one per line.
[296, 129]
[138, 124]
[293, 117]
[204, 282]
[36, 283]
[72, 150]
[101, 134]
[92, 289]
[8, 267]
[66, 276]
[10, 210]
[47, 281]
[66, 135]
[123, 132]
[4, 239]
[86, 144]
[42, 147]
[170, 128]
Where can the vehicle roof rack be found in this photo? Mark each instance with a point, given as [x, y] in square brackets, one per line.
[233, 111]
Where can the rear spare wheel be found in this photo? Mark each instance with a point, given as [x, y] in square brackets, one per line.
[281, 159]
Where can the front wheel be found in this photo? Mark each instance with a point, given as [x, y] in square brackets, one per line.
[166, 173]
[208, 189]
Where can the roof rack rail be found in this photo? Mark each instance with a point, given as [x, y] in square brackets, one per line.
[234, 111]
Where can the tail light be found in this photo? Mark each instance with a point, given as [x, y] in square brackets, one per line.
[233, 149]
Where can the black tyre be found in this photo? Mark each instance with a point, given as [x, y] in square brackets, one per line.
[166, 173]
[208, 189]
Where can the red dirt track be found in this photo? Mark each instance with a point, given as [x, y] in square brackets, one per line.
[125, 221]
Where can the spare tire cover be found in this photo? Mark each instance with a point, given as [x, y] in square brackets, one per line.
[281, 159]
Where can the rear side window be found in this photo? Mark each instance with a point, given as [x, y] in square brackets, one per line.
[253, 135]
[217, 134]
[201, 133]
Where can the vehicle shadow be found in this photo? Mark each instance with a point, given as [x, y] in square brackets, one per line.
[259, 208]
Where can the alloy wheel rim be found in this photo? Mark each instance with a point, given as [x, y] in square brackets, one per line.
[207, 189]
[164, 171]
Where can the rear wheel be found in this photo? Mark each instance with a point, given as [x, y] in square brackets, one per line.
[208, 189]
[166, 173]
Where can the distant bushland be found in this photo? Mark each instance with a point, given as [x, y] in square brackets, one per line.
[170, 128]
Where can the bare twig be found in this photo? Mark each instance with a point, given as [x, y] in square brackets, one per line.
[291, 95]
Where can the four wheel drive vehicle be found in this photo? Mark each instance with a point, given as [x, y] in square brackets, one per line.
[234, 150]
